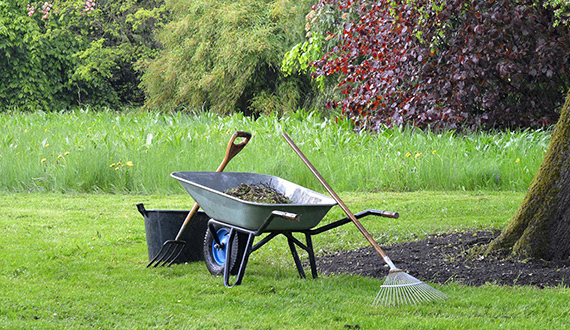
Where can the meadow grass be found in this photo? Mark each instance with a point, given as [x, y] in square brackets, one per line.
[77, 261]
[135, 152]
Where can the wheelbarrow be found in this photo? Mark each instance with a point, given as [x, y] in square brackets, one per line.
[235, 223]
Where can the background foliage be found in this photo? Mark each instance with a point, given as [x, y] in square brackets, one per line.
[447, 64]
[561, 9]
[59, 54]
[442, 64]
[225, 55]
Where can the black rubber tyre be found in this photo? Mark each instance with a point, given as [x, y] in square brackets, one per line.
[215, 257]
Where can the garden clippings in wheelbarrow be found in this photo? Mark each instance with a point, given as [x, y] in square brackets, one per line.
[258, 193]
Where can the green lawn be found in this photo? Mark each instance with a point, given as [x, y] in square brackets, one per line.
[78, 261]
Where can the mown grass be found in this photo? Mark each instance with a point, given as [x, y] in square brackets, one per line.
[135, 151]
[78, 261]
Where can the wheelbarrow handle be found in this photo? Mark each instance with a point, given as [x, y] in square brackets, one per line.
[232, 150]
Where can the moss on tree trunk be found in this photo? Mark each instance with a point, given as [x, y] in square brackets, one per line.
[541, 226]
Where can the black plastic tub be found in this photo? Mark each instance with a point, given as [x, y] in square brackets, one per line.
[163, 225]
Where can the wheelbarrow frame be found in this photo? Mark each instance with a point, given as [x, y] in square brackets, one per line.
[292, 241]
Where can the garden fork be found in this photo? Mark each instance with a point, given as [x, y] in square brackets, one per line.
[171, 249]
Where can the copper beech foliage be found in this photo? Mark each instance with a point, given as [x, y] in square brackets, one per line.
[455, 64]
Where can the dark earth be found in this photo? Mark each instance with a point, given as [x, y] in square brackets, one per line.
[447, 258]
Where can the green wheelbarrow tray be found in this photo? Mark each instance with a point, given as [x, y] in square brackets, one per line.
[207, 189]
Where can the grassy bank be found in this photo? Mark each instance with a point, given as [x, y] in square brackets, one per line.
[78, 261]
[135, 152]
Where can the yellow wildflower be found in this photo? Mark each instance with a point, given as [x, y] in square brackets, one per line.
[408, 154]
[66, 153]
[518, 160]
[112, 165]
[434, 152]
[130, 163]
[43, 160]
[418, 154]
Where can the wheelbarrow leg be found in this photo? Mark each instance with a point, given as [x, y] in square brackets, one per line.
[311, 253]
[243, 261]
[291, 242]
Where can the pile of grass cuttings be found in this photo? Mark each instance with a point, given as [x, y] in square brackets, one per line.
[258, 193]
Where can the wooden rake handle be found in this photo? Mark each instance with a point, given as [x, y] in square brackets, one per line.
[232, 150]
[339, 201]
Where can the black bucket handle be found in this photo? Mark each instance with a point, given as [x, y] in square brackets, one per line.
[142, 210]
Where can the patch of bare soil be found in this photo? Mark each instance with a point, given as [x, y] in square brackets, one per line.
[445, 258]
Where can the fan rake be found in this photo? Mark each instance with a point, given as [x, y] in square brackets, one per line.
[399, 287]
[402, 288]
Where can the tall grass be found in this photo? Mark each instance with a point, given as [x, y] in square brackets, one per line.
[135, 151]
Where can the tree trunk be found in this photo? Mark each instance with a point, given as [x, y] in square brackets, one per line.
[541, 226]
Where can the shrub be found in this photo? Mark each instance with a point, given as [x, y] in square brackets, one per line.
[451, 64]
[561, 9]
[225, 55]
[34, 64]
[121, 40]
[59, 54]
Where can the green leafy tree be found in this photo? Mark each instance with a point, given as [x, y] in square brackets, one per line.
[34, 59]
[561, 9]
[226, 55]
[59, 54]
[121, 39]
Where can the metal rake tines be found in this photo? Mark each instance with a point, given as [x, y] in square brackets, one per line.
[168, 253]
[400, 288]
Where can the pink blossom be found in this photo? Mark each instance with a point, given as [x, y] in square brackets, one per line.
[89, 7]
[45, 9]
[31, 10]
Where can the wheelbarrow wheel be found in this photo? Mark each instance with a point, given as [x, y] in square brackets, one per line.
[215, 256]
